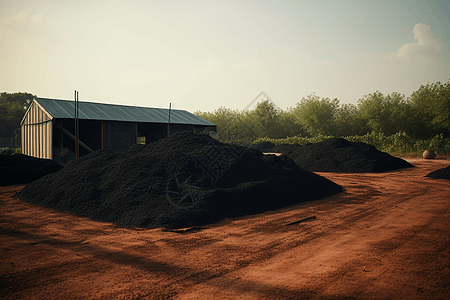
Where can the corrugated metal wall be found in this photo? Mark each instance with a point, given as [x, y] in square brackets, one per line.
[37, 133]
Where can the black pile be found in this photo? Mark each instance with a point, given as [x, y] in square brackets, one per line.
[20, 169]
[341, 156]
[263, 146]
[286, 149]
[268, 147]
[443, 173]
[181, 181]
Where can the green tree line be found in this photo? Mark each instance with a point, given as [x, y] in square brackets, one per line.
[12, 109]
[422, 115]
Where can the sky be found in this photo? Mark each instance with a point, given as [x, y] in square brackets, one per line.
[202, 55]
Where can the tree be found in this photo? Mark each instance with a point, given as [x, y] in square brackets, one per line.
[442, 105]
[12, 109]
[348, 121]
[265, 120]
[317, 115]
[431, 109]
[226, 119]
[288, 125]
[385, 114]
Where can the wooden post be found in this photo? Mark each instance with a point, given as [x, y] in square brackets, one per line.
[73, 137]
[136, 135]
[77, 129]
[75, 122]
[78, 124]
[102, 133]
[168, 124]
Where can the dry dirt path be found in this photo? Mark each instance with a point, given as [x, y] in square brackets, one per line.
[387, 236]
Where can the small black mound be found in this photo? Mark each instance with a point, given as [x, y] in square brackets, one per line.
[341, 156]
[184, 180]
[286, 148]
[21, 169]
[263, 147]
[443, 173]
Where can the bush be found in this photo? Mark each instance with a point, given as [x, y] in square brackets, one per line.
[399, 143]
[294, 140]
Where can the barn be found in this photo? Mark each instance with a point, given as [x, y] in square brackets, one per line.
[48, 127]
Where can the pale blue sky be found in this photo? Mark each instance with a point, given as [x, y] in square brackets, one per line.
[200, 55]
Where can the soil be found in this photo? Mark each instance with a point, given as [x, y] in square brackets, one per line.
[339, 156]
[20, 168]
[387, 236]
[443, 173]
[185, 180]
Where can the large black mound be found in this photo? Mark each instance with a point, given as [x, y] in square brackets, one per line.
[263, 146]
[22, 169]
[341, 156]
[268, 147]
[286, 148]
[443, 173]
[184, 180]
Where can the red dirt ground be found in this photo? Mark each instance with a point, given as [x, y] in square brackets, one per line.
[387, 236]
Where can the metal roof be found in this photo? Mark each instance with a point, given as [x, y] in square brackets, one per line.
[64, 109]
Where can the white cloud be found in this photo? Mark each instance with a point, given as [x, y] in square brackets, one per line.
[423, 61]
[425, 43]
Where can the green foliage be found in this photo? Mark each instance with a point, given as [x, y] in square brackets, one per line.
[289, 126]
[226, 120]
[317, 115]
[396, 142]
[422, 116]
[387, 114]
[12, 109]
[266, 117]
[265, 120]
[348, 121]
[430, 109]
[293, 140]
[399, 143]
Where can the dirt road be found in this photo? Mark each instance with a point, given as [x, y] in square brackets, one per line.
[387, 236]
